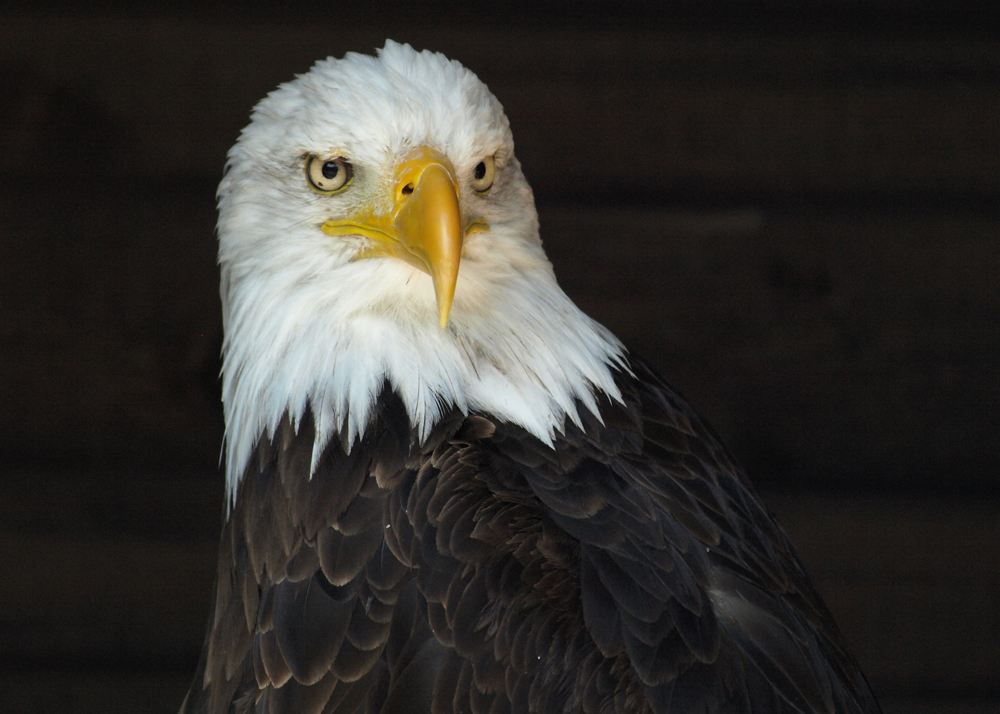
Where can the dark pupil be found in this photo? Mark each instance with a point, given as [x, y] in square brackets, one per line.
[480, 171]
[330, 170]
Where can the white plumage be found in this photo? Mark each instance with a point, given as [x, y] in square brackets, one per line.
[305, 323]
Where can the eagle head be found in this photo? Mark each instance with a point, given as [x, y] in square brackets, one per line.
[375, 229]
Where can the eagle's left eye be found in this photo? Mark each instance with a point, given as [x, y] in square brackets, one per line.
[482, 175]
[328, 175]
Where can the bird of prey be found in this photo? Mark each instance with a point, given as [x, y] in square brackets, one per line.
[449, 490]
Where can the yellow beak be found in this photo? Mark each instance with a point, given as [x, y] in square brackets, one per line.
[425, 226]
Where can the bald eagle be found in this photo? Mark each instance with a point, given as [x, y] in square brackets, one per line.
[449, 490]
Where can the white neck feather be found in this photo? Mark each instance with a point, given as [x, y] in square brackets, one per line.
[525, 354]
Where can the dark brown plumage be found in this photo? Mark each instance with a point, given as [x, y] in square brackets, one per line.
[450, 490]
[631, 567]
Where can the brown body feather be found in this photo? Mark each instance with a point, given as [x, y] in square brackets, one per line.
[629, 568]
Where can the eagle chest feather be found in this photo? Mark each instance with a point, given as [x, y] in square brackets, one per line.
[484, 571]
[419, 577]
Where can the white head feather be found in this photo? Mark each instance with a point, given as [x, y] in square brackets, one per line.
[307, 327]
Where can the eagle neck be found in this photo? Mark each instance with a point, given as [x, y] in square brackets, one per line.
[534, 363]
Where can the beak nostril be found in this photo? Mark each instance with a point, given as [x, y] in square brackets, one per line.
[407, 189]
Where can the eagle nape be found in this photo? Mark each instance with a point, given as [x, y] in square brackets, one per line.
[448, 489]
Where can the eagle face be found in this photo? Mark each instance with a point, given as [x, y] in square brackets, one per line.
[375, 225]
[406, 156]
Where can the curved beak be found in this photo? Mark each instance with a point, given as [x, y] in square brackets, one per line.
[425, 227]
[428, 223]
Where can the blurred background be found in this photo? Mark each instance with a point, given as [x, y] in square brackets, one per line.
[790, 207]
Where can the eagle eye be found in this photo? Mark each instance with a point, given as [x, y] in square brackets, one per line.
[328, 175]
[482, 175]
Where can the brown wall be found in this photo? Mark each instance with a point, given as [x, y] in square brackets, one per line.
[792, 210]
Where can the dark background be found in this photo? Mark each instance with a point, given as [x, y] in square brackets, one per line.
[790, 207]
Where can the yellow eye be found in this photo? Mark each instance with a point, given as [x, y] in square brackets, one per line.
[328, 175]
[482, 175]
